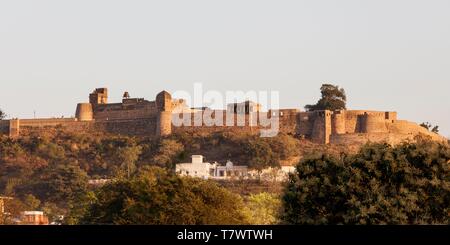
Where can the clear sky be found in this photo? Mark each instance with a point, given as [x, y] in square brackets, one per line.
[387, 54]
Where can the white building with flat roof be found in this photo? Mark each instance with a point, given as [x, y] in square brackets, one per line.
[206, 170]
[196, 168]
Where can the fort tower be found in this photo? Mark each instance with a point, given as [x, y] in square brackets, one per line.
[98, 97]
[164, 116]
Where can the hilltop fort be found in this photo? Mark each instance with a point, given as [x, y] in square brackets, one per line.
[140, 117]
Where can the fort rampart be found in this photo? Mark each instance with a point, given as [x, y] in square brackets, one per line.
[136, 116]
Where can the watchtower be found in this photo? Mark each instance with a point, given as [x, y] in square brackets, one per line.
[164, 117]
[98, 96]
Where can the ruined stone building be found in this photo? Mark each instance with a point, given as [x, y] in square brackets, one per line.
[137, 116]
[245, 107]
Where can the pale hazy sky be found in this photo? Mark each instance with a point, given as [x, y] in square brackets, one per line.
[387, 54]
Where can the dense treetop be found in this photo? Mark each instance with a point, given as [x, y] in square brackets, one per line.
[156, 196]
[407, 184]
[333, 98]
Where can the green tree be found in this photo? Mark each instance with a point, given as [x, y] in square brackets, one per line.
[2, 115]
[14, 207]
[333, 98]
[381, 184]
[435, 129]
[51, 151]
[263, 208]
[284, 146]
[168, 152]
[78, 207]
[52, 211]
[31, 202]
[428, 126]
[57, 183]
[260, 154]
[156, 196]
[129, 156]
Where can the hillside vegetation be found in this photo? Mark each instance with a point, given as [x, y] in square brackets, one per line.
[334, 184]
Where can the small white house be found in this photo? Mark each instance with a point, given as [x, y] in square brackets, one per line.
[206, 170]
[196, 168]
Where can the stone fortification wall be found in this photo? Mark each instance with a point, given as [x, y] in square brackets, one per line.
[37, 126]
[374, 122]
[338, 122]
[306, 121]
[121, 111]
[136, 116]
[356, 120]
[355, 126]
[47, 122]
[315, 125]
[139, 127]
[210, 121]
[362, 138]
[288, 120]
[393, 132]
